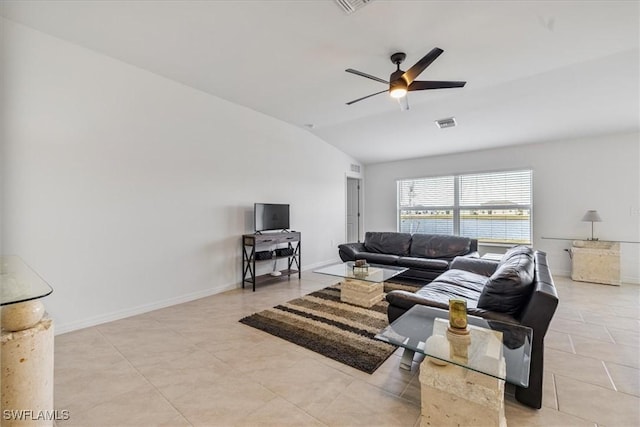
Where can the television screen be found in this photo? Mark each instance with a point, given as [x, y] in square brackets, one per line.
[270, 216]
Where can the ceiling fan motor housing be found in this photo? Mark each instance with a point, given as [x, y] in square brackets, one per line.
[396, 81]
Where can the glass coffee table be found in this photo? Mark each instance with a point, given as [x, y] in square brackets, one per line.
[468, 369]
[423, 330]
[362, 289]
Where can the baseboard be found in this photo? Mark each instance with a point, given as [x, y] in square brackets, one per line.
[321, 264]
[141, 309]
[628, 280]
[565, 273]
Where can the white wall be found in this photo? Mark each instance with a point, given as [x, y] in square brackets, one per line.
[569, 177]
[127, 191]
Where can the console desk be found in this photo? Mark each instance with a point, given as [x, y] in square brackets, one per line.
[290, 240]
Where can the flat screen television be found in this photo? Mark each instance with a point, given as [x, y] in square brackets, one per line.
[270, 216]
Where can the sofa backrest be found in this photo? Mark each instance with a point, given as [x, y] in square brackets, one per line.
[440, 246]
[387, 242]
[516, 250]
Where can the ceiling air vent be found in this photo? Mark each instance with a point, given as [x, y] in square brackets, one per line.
[446, 123]
[350, 6]
[355, 168]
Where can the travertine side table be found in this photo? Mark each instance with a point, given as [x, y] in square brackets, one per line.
[26, 352]
[595, 261]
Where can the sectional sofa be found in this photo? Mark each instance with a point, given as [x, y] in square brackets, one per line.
[425, 255]
[518, 289]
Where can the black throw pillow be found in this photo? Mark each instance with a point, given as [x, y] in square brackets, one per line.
[510, 286]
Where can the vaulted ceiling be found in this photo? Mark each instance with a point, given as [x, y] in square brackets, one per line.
[535, 70]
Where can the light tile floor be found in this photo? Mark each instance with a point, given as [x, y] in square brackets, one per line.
[193, 364]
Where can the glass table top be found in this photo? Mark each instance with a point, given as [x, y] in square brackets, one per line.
[19, 283]
[424, 330]
[375, 273]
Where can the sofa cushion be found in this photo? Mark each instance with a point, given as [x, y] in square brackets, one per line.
[510, 286]
[373, 258]
[451, 284]
[439, 246]
[454, 284]
[457, 284]
[387, 242]
[423, 263]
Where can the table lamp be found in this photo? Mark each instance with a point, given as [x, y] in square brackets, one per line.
[592, 216]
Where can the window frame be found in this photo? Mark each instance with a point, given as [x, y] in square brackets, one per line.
[457, 208]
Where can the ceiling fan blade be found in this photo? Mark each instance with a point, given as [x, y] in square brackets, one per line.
[404, 103]
[424, 85]
[369, 76]
[365, 97]
[410, 75]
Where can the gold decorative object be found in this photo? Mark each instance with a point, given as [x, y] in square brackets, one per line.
[458, 316]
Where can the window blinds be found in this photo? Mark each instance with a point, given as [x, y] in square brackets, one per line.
[492, 207]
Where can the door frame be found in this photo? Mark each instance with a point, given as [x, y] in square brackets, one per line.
[360, 200]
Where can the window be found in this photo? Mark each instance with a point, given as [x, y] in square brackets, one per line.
[492, 207]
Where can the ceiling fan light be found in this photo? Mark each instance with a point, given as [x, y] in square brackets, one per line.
[397, 86]
[398, 92]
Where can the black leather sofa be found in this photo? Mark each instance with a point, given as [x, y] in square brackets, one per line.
[425, 255]
[518, 289]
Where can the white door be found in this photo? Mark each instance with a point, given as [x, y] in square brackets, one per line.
[353, 210]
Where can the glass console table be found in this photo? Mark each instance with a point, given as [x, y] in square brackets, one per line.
[423, 330]
[19, 283]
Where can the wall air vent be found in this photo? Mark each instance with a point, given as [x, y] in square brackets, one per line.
[446, 123]
[355, 168]
[350, 6]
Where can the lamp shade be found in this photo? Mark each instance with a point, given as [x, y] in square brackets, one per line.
[591, 216]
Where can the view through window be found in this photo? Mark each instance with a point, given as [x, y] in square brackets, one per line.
[493, 207]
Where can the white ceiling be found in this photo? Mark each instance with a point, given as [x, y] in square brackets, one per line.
[535, 70]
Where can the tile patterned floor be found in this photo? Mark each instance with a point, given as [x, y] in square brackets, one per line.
[193, 364]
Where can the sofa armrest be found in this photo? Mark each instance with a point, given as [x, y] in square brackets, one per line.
[537, 314]
[474, 265]
[474, 254]
[350, 251]
[406, 300]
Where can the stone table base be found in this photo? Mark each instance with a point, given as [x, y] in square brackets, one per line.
[456, 396]
[596, 262]
[361, 292]
[26, 361]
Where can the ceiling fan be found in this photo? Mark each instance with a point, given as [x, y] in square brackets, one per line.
[400, 82]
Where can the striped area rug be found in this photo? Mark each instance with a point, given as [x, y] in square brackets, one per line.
[322, 323]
